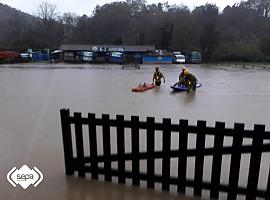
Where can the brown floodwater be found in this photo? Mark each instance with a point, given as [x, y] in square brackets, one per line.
[31, 97]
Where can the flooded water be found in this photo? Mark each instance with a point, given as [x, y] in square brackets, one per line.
[31, 97]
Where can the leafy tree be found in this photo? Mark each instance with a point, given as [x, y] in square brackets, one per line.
[206, 19]
[264, 45]
[111, 21]
[166, 36]
[81, 33]
[136, 6]
[238, 33]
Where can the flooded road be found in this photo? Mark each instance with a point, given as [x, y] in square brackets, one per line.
[31, 98]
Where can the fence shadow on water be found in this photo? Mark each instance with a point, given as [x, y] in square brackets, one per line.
[88, 149]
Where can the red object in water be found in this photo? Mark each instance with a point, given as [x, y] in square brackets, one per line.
[143, 88]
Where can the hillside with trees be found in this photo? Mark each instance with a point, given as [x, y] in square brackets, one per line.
[14, 27]
[238, 33]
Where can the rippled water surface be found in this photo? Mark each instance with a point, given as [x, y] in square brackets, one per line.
[32, 96]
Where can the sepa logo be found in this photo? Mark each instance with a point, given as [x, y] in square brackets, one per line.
[24, 176]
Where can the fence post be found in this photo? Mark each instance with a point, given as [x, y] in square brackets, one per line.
[93, 144]
[121, 148]
[67, 141]
[199, 159]
[79, 143]
[268, 185]
[150, 121]
[166, 143]
[182, 158]
[235, 160]
[217, 159]
[251, 191]
[255, 162]
[135, 150]
[106, 146]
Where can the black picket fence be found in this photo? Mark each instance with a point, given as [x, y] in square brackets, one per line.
[83, 163]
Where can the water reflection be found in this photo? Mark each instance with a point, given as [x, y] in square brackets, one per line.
[89, 189]
[189, 97]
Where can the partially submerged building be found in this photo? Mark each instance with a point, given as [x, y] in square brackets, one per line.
[105, 53]
[123, 54]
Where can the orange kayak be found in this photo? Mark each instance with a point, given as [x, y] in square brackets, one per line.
[143, 88]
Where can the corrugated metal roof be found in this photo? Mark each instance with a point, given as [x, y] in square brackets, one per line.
[129, 48]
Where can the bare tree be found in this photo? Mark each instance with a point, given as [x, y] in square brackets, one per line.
[136, 6]
[261, 6]
[47, 11]
[70, 18]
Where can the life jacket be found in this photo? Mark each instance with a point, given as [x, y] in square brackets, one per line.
[181, 76]
[158, 75]
[192, 78]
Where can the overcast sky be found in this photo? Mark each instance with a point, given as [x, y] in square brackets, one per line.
[86, 6]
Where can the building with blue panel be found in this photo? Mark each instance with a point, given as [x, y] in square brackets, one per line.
[107, 53]
[157, 59]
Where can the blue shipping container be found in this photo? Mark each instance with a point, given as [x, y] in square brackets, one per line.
[37, 57]
[45, 57]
